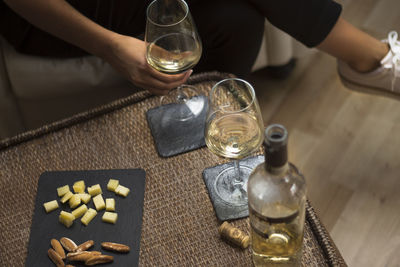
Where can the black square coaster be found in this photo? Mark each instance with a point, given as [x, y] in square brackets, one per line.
[223, 209]
[172, 136]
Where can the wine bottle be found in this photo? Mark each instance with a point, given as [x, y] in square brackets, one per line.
[276, 199]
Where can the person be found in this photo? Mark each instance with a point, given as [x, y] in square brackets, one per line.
[112, 30]
[231, 34]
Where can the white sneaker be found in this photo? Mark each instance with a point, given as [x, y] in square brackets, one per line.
[385, 80]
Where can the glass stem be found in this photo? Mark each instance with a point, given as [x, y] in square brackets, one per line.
[237, 179]
[181, 96]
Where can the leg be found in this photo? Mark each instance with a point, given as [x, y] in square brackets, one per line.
[308, 21]
[316, 23]
[358, 49]
[363, 60]
[231, 32]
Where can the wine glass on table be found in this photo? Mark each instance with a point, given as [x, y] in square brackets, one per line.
[234, 130]
[174, 46]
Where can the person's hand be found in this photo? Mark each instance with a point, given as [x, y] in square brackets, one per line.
[128, 56]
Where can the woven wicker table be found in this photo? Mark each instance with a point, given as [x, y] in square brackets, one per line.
[179, 224]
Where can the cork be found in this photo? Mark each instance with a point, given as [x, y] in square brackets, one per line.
[234, 235]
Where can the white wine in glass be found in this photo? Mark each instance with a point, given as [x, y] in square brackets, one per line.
[234, 129]
[174, 46]
[233, 135]
[174, 53]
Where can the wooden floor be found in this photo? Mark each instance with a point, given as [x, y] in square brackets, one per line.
[347, 144]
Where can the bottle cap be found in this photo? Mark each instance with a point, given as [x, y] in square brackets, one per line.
[275, 144]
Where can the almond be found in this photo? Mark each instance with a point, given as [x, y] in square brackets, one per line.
[58, 248]
[115, 247]
[55, 258]
[85, 246]
[81, 255]
[99, 259]
[68, 244]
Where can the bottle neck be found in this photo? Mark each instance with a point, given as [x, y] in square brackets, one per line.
[278, 170]
[275, 149]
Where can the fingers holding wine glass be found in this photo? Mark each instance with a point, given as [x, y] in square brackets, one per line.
[168, 81]
[128, 56]
[160, 83]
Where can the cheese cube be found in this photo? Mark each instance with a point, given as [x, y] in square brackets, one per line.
[122, 190]
[94, 190]
[78, 212]
[75, 201]
[85, 197]
[88, 217]
[112, 185]
[99, 202]
[66, 197]
[66, 218]
[50, 206]
[110, 204]
[79, 186]
[61, 191]
[110, 217]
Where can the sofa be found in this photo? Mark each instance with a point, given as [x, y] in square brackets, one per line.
[35, 91]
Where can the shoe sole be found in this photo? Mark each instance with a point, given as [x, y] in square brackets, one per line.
[369, 90]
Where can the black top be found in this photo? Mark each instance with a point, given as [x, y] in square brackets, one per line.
[308, 21]
[123, 16]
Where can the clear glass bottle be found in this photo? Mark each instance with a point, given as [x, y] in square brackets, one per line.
[276, 196]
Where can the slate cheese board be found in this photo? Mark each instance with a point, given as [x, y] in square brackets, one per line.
[127, 229]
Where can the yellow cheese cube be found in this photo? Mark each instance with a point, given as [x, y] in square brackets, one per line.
[99, 202]
[85, 197]
[61, 191]
[66, 218]
[89, 215]
[67, 215]
[110, 217]
[74, 201]
[78, 212]
[50, 206]
[94, 190]
[122, 190]
[110, 204]
[112, 185]
[66, 197]
[79, 186]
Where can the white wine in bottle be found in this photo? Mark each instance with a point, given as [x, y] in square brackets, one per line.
[276, 199]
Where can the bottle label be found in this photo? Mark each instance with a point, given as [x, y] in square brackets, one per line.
[260, 223]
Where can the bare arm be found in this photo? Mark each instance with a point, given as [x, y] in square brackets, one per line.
[124, 53]
[60, 19]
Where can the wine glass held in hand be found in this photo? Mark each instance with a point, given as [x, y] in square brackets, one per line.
[173, 45]
[234, 129]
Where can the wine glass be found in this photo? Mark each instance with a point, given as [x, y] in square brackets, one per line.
[234, 130]
[174, 46]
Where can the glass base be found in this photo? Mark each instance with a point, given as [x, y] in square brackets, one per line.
[231, 191]
[187, 101]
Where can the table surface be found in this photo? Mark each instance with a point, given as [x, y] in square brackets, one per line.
[179, 224]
